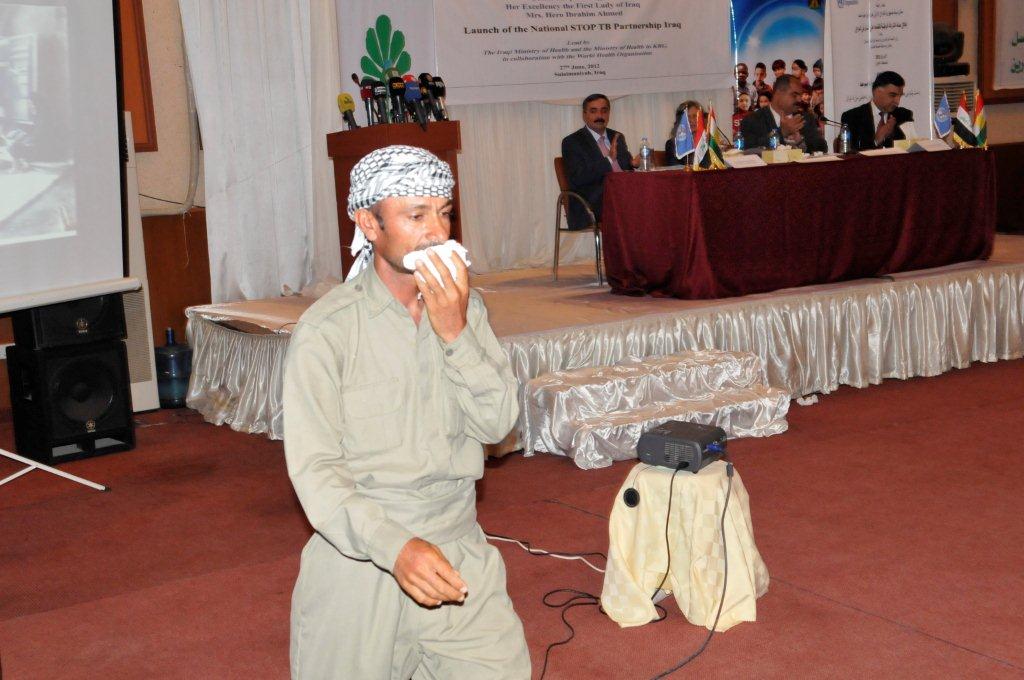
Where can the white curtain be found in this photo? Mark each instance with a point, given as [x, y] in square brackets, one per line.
[507, 177]
[266, 73]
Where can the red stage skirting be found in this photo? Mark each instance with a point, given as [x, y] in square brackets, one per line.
[735, 232]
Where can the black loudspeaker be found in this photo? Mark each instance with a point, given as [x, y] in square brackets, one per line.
[70, 323]
[70, 402]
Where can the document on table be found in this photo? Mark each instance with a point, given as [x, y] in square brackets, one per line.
[744, 161]
[883, 152]
[820, 159]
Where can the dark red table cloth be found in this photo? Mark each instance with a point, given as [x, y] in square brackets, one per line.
[734, 232]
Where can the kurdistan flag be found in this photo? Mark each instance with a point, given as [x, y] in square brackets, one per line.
[980, 124]
[714, 150]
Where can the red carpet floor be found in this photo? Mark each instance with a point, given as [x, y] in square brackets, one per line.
[891, 520]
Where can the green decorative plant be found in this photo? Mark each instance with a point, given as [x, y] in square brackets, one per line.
[385, 51]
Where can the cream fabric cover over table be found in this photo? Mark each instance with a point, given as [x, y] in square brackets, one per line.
[637, 555]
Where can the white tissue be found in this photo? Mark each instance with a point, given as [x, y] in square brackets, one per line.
[445, 251]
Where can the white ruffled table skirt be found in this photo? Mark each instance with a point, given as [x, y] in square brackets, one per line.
[921, 324]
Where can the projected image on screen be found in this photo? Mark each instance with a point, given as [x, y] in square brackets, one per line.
[37, 187]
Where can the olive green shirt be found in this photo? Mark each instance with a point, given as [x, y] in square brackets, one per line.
[383, 421]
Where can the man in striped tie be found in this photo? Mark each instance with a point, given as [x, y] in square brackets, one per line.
[589, 154]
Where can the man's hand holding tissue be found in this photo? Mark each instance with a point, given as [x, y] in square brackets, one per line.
[446, 297]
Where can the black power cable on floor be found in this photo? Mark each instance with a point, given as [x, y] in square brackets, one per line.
[580, 598]
[577, 598]
[725, 581]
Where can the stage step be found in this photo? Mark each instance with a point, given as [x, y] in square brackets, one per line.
[596, 415]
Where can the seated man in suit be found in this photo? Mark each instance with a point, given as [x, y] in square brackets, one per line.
[784, 114]
[589, 154]
[876, 123]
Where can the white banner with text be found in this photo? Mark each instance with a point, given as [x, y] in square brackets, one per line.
[864, 38]
[543, 50]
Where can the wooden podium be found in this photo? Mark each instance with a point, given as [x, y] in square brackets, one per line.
[345, 148]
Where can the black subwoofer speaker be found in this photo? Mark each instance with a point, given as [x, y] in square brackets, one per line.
[70, 402]
[70, 323]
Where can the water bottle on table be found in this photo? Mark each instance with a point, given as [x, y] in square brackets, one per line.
[645, 155]
[738, 142]
[773, 139]
[845, 140]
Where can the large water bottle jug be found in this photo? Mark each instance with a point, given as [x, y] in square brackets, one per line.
[173, 368]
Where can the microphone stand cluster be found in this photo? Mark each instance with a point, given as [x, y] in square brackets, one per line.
[402, 100]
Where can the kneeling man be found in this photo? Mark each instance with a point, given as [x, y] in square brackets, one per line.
[393, 381]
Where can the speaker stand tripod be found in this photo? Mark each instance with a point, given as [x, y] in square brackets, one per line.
[35, 465]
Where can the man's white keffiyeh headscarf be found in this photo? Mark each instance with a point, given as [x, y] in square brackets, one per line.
[392, 171]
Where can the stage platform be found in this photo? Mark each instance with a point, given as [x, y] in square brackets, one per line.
[811, 339]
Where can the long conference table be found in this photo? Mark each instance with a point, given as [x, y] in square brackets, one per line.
[716, 234]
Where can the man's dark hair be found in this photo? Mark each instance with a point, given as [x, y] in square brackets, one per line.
[765, 93]
[593, 98]
[760, 64]
[886, 78]
[777, 64]
[787, 82]
[741, 64]
[801, 63]
[819, 64]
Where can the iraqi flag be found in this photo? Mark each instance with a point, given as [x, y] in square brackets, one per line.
[962, 114]
[701, 135]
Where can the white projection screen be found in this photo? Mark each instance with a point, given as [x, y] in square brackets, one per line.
[61, 186]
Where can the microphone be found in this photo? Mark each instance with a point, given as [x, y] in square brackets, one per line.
[427, 90]
[347, 106]
[380, 101]
[366, 94]
[439, 91]
[396, 88]
[829, 121]
[414, 100]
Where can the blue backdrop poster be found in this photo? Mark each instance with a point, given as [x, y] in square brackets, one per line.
[790, 33]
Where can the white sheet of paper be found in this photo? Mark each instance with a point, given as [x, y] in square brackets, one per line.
[820, 159]
[744, 161]
[909, 131]
[883, 152]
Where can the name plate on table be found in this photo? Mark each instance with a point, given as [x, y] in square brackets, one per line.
[744, 161]
[781, 155]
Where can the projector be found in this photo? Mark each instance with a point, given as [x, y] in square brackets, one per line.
[679, 445]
